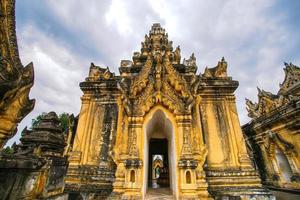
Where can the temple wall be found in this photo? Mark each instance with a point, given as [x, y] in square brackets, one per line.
[215, 146]
[273, 133]
[278, 144]
[228, 162]
[292, 137]
[224, 138]
[91, 168]
[207, 151]
[79, 141]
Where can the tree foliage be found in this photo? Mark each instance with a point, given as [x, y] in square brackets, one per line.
[35, 122]
[8, 150]
[63, 121]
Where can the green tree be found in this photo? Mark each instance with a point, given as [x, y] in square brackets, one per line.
[8, 150]
[63, 118]
[64, 121]
[35, 122]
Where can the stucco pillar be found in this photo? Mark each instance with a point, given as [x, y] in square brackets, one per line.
[80, 138]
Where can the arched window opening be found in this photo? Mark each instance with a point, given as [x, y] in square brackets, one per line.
[132, 176]
[188, 177]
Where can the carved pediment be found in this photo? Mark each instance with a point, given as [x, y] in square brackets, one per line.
[158, 81]
[268, 101]
[140, 81]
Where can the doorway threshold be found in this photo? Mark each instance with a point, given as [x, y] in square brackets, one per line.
[159, 193]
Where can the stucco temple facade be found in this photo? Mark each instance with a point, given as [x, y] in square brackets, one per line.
[158, 105]
[273, 134]
[158, 126]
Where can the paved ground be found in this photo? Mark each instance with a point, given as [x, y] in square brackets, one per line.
[285, 196]
[165, 194]
[159, 193]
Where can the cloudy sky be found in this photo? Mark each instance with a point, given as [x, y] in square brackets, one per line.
[62, 38]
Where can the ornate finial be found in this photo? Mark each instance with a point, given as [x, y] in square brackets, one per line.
[292, 78]
[220, 71]
[252, 109]
[191, 61]
[156, 25]
[126, 63]
[97, 73]
[177, 55]
[259, 90]
[156, 29]
[155, 42]
[221, 68]
[207, 72]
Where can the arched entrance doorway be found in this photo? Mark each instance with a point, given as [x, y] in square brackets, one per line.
[158, 168]
[159, 146]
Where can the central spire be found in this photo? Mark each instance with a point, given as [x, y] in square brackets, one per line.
[157, 42]
[157, 47]
[157, 29]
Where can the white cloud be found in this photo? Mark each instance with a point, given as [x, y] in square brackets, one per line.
[117, 15]
[57, 74]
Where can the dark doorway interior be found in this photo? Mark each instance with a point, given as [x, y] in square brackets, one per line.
[158, 171]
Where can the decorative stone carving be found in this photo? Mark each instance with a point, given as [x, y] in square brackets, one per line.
[197, 109]
[37, 167]
[289, 92]
[15, 80]
[126, 63]
[220, 71]
[292, 79]
[177, 56]
[274, 130]
[150, 85]
[191, 62]
[97, 73]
